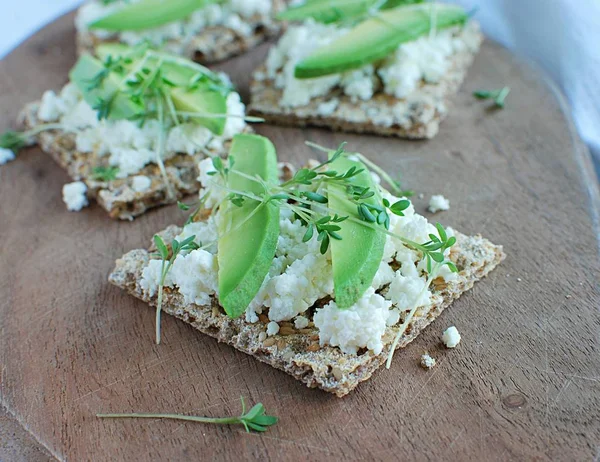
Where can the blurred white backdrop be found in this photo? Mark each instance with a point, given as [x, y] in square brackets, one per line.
[563, 36]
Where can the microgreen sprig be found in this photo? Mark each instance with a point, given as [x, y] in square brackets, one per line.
[15, 140]
[177, 247]
[255, 419]
[499, 96]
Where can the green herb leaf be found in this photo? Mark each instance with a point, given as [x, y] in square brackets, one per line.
[309, 233]
[183, 206]
[161, 246]
[499, 96]
[105, 173]
[12, 140]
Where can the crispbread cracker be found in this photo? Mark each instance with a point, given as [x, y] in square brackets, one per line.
[298, 353]
[118, 197]
[425, 109]
[212, 44]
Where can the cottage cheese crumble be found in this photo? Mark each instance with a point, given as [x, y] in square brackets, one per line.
[438, 203]
[74, 196]
[451, 337]
[6, 155]
[141, 183]
[427, 362]
[272, 328]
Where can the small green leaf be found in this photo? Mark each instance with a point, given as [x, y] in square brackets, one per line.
[12, 140]
[257, 409]
[452, 267]
[309, 233]
[315, 197]
[161, 246]
[398, 207]
[368, 216]
[324, 244]
[437, 256]
[183, 206]
[441, 231]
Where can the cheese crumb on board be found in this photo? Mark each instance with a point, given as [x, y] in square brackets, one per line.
[438, 203]
[427, 362]
[451, 337]
[141, 183]
[6, 155]
[74, 196]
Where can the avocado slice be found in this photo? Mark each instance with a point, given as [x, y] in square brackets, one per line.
[247, 245]
[204, 102]
[377, 37]
[147, 14]
[326, 11]
[356, 257]
[329, 11]
[83, 74]
[209, 96]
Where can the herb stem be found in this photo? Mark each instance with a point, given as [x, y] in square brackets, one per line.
[411, 314]
[191, 418]
[219, 116]
[161, 147]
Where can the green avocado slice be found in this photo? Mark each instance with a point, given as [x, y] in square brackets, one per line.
[356, 257]
[377, 37]
[326, 11]
[209, 96]
[83, 74]
[147, 14]
[329, 11]
[248, 234]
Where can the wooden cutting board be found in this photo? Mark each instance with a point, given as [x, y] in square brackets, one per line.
[524, 384]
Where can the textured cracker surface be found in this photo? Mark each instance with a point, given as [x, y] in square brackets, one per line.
[118, 197]
[212, 44]
[298, 352]
[429, 105]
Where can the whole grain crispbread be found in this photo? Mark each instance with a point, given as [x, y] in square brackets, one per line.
[298, 352]
[117, 196]
[212, 44]
[421, 112]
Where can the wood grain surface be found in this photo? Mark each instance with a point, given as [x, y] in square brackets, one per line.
[524, 384]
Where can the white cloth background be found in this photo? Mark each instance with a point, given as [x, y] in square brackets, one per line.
[563, 36]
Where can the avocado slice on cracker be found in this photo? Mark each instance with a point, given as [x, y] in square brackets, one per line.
[248, 232]
[378, 36]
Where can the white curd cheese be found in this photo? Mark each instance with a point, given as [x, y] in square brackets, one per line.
[427, 362]
[151, 275]
[301, 322]
[195, 274]
[438, 203]
[451, 337]
[141, 183]
[74, 196]
[205, 233]
[6, 155]
[272, 328]
[361, 325]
